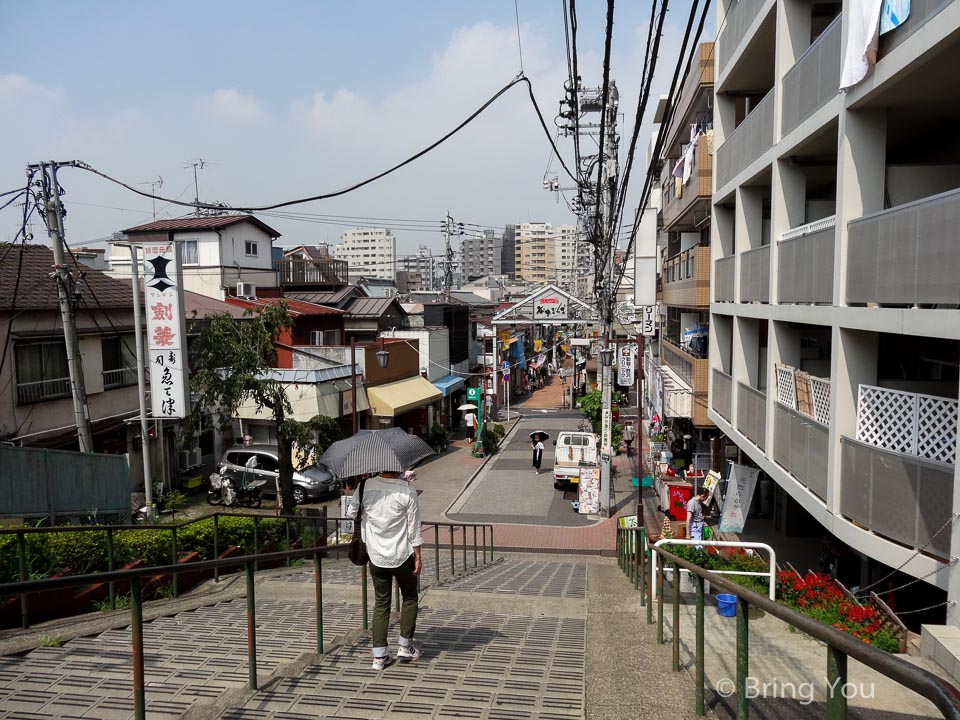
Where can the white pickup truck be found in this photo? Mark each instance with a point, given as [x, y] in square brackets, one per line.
[573, 451]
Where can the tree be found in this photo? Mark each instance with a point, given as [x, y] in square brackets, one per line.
[232, 361]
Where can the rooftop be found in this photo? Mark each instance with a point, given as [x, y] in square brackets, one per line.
[297, 307]
[200, 223]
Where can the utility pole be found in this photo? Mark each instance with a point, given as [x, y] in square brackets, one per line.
[142, 385]
[68, 295]
[448, 229]
[200, 162]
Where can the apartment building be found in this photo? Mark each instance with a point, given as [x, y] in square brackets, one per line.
[369, 252]
[480, 255]
[423, 264]
[546, 253]
[680, 370]
[834, 329]
[508, 250]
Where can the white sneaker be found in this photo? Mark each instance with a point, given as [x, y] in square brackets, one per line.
[383, 661]
[408, 653]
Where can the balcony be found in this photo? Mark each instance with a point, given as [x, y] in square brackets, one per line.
[31, 392]
[691, 369]
[721, 395]
[119, 378]
[752, 414]
[686, 278]
[752, 138]
[904, 498]
[813, 80]
[724, 288]
[739, 19]
[924, 426]
[697, 191]
[292, 273]
[800, 447]
[907, 255]
[681, 397]
[699, 80]
[805, 264]
[921, 11]
[755, 275]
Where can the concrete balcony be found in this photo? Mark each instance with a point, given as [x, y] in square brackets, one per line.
[901, 497]
[686, 278]
[739, 19]
[752, 414]
[907, 255]
[800, 447]
[751, 139]
[722, 394]
[813, 80]
[805, 264]
[691, 369]
[921, 12]
[724, 289]
[700, 80]
[755, 275]
[677, 212]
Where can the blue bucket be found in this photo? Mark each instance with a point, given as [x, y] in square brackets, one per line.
[727, 605]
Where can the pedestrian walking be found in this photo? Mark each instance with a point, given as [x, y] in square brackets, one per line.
[390, 527]
[470, 419]
[695, 515]
[628, 435]
[537, 445]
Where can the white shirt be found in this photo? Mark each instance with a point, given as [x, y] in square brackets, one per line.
[390, 524]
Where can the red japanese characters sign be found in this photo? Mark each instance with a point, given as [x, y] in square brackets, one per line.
[164, 330]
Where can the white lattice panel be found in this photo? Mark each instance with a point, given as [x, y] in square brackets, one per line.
[786, 388]
[820, 392]
[887, 419]
[937, 428]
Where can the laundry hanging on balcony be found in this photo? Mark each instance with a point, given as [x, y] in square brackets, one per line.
[863, 29]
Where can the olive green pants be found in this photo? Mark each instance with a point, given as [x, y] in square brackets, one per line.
[382, 585]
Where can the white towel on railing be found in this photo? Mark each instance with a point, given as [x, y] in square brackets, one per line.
[863, 28]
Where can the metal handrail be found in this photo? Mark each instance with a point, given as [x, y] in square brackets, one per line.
[135, 577]
[839, 644]
[772, 574]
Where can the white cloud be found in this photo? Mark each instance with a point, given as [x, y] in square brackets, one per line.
[16, 86]
[231, 105]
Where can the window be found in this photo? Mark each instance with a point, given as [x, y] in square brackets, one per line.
[189, 252]
[251, 248]
[42, 372]
[119, 361]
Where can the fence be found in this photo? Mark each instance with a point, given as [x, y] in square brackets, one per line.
[752, 414]
[908, 423]
[721, 393]
[807, 394]
[805, 264]
[800, 447]
[755, 275]
[814, 79]
[725, 289]
[59, 485]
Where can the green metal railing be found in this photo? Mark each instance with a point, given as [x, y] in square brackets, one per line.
[249, 563]
[478, 547]
[634, 556]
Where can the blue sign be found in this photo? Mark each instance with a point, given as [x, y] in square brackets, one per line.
[505, 366]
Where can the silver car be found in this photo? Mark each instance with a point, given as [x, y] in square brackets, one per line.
[310, 483]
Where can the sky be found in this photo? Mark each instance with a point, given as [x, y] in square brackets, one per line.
[292, 99]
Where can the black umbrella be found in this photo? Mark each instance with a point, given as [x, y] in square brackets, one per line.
[543, 435]
[375, 451]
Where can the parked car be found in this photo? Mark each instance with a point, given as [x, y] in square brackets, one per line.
[574, 450]
[309, 483]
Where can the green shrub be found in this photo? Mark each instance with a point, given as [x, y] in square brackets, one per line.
[498, 430]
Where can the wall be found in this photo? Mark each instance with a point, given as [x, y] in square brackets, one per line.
[434, 354]
[404, 361]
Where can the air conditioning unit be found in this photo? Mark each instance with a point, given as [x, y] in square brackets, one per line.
[246, 290]
[190, 458]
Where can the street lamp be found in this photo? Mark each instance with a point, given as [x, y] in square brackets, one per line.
[383, 356]
[606, 357]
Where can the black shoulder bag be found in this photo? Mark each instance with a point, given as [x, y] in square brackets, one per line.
[357, 552]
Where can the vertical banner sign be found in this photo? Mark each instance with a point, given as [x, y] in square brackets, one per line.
[736, 503]
[589, 491]
[165, 336]
[648, 320]
[625, 365]
[606, 425]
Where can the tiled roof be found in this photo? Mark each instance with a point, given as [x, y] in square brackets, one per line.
[297, 307]
[206, 306]
[200, 223]
[370, 307]
[37, 290]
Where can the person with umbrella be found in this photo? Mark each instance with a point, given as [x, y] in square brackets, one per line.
[536, 442]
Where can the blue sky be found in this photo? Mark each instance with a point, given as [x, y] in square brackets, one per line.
[297, 98]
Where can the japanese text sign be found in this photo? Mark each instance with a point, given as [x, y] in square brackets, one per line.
[165, 339]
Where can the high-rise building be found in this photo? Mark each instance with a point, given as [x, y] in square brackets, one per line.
[834, 333]
[508, 246]
[546, 253]
[480, 255]
[369, 252]
[424, 264]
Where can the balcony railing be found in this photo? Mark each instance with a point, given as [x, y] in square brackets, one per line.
[908, 423]
[805, 263]
[921, 11]
[690, 368]
[800, 447]
[31, 392]
[752, 414]
[119, 378]
[806, 394]
[752, 138]
[755, 275]
[903, 498]
[686, 278]
[724, 289]
[700, 79]
[721, 394]
[739, 19]
[907, 255]
[698, 187]
[814, 79]
[309, 272]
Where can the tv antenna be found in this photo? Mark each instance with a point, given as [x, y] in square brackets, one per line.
[154, 186]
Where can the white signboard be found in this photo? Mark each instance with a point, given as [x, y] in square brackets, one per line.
[625, 368]
[736, 503]
[550, 305]
[589, 491]
[606, 427]
[648, 321]
[165, 334]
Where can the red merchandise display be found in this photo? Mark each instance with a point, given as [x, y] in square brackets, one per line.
[674, 496]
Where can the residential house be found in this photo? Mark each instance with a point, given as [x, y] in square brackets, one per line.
[366, 317]
[307, 268]
[377, 287]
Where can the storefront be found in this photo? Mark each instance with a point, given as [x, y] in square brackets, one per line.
[452, 389]
[412, 403]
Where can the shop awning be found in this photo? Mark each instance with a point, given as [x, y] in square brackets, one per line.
[447, 385]
[310, 399]
[397, 397]
[535, 365]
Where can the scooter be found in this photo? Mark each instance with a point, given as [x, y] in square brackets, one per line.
[223, 491]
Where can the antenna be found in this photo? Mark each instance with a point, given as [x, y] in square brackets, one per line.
[197, 164]
[154, 186]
